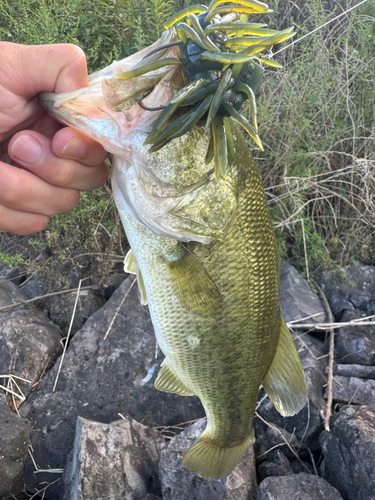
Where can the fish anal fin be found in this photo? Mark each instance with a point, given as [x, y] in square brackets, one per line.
[131, 267]
[129, 263]
[194, 287]
[167, 381]
[285, 380]
[206, 458]
[141, 287]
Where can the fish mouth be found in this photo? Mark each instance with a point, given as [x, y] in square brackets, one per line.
[111, 107]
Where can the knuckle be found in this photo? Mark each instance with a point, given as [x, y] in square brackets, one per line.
[13, 193]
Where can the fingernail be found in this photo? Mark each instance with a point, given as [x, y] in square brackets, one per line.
[75, 148]
[26, 149]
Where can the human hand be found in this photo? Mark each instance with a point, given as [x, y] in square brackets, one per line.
[43, 165]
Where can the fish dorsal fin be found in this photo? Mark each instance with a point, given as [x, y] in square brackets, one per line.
[129, 263]
[167, 381]
[193, 286]
[285, 380]
[131, 267]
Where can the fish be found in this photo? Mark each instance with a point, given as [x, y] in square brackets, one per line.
[204, 253]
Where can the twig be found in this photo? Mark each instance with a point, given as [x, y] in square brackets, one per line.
[283, 438]
[303, 319]
[305, 250]
[118, 309]
[12, 392]
[328, 413]
[22, 302]
[68, 335]
[328, 326]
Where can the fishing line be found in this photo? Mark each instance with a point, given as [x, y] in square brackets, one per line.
[320, 27]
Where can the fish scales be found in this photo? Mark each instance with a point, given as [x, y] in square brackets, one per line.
[214, 356]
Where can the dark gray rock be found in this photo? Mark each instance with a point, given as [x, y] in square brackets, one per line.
[13, 274]
[353, 390]
[297, 487]
[29, 343]
[150, 496]
[99, 379]
[367, 372]
[35, 286]
[276, 465]
[349, 451]
[270, 435]
[349, 289]
[112, 283]
[296, 298]
[10, 294]
[14, 441]
[179, 483]
[307, 424]
[62, 309]
[113, 461]
[355, 344]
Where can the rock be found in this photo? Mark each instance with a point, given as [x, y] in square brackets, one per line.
[9, 294]
[29, 343]
[353, 390]
[62, 309]
[367, 372]
[14, 441]
[297, 487]
[113, 461]
[99, 379]
[355, 344]
[296, 298]
[35, 286]
[305, 425]
[276, 465]
[112, 283]
[270, 435]
[179, 483]
[12, 274]
[150, 496]
[349, 450]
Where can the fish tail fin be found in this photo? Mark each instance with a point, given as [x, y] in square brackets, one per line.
[285, 381]
[206, 458]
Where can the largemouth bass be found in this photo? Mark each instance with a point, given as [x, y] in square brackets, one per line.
[205, 256]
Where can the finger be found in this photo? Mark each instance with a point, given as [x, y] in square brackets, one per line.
[50, 68]
[22, 223]
[23, 191]
[34, 152]
[67, 143]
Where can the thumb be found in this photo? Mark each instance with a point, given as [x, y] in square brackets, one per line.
[27, 70]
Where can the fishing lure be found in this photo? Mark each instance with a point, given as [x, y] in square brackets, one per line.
[222, 68]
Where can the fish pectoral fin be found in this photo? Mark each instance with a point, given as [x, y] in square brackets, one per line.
[129, 263]
[167, 381]
[285, 381]
[210, 460]
[193, 286]
[131, 267]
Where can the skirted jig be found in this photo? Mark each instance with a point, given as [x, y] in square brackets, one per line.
[221, 65]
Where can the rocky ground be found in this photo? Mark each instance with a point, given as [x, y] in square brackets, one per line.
[87, 424]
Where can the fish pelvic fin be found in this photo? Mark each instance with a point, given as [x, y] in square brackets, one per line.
[193, 286]
[131, 267]
[285, 381]
[206, 458]
[167, 381]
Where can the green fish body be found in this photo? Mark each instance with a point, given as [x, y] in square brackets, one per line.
[205, 256]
